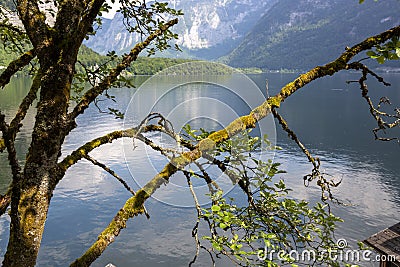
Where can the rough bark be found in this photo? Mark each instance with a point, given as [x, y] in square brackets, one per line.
[56, 49]
[31, 195]
[15, 66]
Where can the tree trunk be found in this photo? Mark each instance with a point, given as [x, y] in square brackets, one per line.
[33, 191]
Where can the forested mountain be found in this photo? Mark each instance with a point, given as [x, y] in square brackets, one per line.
[86, 55]
[302, 34]
[269, 34]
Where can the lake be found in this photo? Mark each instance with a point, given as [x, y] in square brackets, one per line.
[329, 116]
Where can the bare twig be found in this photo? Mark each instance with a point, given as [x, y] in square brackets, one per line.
[15, 124]
[116, 176]
[93, 93]
[380, 116]
[210, 182]
[315, 161]
[199, 215]
[322, 182]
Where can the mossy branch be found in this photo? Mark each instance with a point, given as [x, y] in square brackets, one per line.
[134, 205]
[107, 82]
[15, 66]
[341, 63]
[2, 145]
[34, 22]
[15, 124]
[84, 150]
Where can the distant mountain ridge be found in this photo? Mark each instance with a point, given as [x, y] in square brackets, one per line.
[208, 30]
[302, 34]
[268, 34]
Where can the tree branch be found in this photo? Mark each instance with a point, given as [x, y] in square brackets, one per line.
[15, 66]
[116, 176]
[34, 22]
[5, 201]
[84, 150]
[9, 144]
[195, 230]
[15, 124]
[134, 205]
[380, 116]
[91, 13]
[14, 192]
[107, 82]
[341, 63]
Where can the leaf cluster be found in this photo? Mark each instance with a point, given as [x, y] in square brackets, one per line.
[270, 221]
[146, 18]
[388, 51]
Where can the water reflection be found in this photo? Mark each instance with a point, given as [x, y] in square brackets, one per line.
[329, 117]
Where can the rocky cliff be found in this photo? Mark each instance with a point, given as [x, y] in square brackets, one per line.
[209, 28]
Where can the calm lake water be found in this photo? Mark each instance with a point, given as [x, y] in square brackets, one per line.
[329, 117]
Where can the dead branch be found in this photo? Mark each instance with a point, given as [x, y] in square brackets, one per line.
[322, 182]
[380, 117]
[315, 161]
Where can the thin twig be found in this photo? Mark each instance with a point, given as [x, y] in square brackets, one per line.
[322, 182]
[116, 176]
[199, 215]
[15, 124]
[377, 114]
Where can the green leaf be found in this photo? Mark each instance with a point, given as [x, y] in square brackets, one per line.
[381, 59]
[371, 54]
[398, 51]
[215, 208]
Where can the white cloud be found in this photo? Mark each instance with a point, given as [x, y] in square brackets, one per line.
[112, 12]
